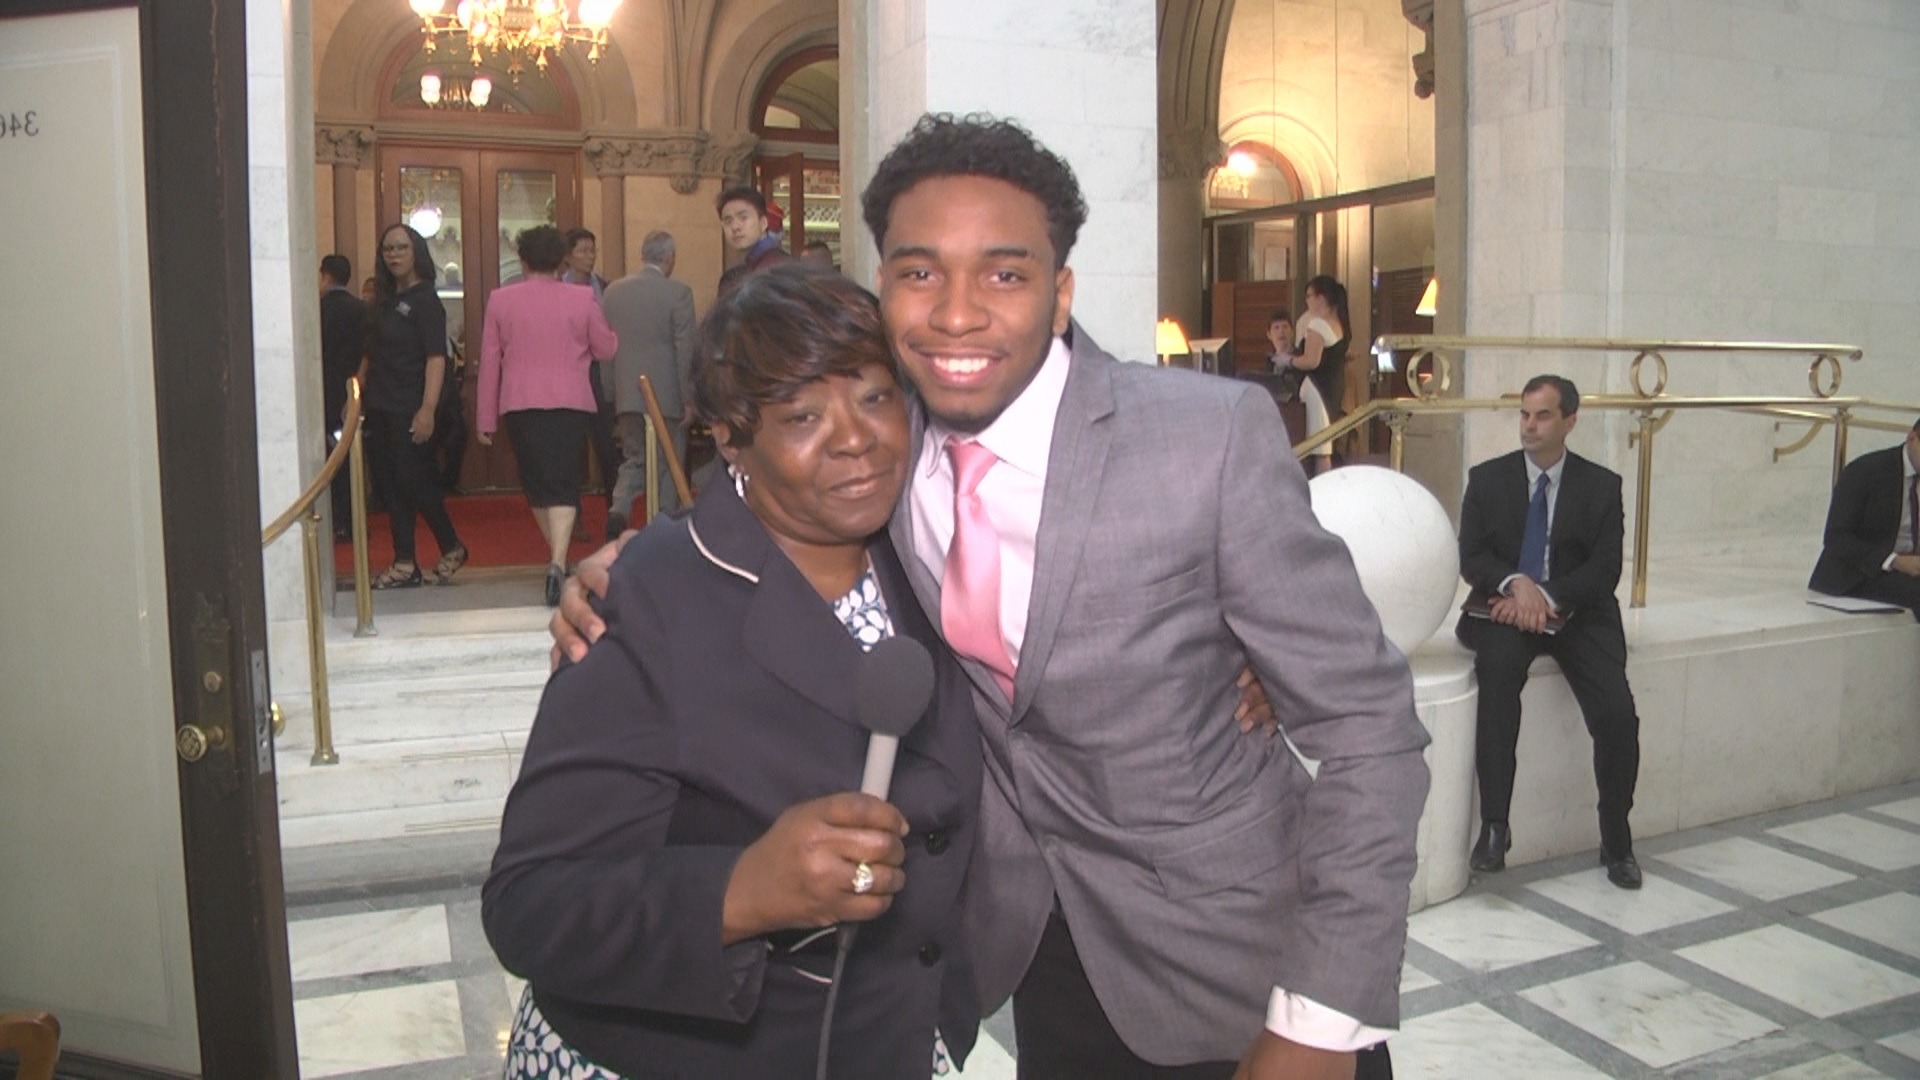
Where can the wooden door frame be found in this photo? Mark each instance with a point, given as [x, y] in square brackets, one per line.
[193, 72]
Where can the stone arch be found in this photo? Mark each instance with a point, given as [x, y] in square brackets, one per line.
[785, 29]
[1309, 154]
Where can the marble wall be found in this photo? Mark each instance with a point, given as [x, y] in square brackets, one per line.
[1696, 169]
[286, 328]
[1080, 74]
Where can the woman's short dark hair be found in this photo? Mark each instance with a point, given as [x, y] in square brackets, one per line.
[541, 249]
[384, 285]
[777, 331]
[978, 145]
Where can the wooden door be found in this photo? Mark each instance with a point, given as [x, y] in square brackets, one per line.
[480, 199]
[141, 898]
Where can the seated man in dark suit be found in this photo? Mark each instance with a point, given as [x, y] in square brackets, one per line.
[1873, 529]
[1540, 534]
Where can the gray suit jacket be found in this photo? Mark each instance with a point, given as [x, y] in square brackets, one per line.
[1198, 867]
[653, 316]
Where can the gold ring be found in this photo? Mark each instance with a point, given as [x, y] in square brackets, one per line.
[862, 879]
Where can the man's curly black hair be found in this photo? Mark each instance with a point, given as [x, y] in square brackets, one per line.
[978, 145]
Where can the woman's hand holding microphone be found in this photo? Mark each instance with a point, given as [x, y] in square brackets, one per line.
[805, 871]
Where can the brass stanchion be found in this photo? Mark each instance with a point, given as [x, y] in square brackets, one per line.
[653, 471]
[317, 642]
[1397, 442]
[362, 577]
[1643, 507]
[657, 425]
[1842, 420]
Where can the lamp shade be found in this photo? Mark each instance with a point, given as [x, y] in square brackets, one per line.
[1430, 300]
[1169, 339]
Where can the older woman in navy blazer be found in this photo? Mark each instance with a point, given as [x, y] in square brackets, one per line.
[686, 829]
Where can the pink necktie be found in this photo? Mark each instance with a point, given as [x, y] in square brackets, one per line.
[970, 588]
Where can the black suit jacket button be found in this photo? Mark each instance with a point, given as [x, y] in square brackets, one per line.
[937, 842]
[930, 954]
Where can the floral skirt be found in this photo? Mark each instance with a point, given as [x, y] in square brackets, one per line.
[537, 1052]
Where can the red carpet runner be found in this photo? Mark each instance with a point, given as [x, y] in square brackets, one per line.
[498, 530]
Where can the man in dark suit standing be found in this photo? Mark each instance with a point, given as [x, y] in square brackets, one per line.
[1873, 529]
[653, 316]
[1540, 537]
[343, 340]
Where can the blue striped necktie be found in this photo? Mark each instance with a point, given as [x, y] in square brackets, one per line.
[1533, 543]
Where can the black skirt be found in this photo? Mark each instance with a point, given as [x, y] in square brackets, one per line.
[549, 445]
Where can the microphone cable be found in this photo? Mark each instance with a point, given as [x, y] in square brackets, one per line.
[841, 948]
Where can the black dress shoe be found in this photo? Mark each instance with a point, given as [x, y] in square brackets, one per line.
[1623, 871]
[555, 578]
[1490, 852]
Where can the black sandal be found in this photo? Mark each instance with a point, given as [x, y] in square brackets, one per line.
[449, 564]
[395, 578]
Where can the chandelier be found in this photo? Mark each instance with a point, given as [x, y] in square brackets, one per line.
[454, 92]
[517, 28]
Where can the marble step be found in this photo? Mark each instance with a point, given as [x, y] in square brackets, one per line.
[466, 818]
[444, 771]
[392, 710]
[409, 647]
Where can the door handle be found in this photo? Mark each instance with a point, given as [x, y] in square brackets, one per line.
[213, 692]
[191, 741]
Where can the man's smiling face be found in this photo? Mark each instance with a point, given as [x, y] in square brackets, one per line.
[971, 294]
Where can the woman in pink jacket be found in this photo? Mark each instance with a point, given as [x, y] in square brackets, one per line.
[540, 338]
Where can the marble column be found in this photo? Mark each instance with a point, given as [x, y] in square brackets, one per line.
[286, 329]
[346, 220]
[1080, 74]
[1186, 159]
[612, 246]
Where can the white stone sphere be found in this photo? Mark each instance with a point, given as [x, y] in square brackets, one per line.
[1402, 545]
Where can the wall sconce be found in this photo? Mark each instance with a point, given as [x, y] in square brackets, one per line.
[1169, 341]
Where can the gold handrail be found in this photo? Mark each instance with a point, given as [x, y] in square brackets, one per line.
[324, 478]
[306, 510]
[1652, 407]
[659, 443]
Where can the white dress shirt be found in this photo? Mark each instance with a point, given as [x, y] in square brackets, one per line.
[1903, 533]
[1553, 474]
[1013, 492]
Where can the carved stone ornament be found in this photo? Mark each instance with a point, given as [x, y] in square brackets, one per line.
[341, 144]
[1420, 14]
[682, 156]
[1190, 153]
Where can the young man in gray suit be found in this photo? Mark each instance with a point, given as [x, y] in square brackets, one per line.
[653, 316]
[1105, 545]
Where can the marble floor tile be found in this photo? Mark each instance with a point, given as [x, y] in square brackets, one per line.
[1657, 906]
[368, 941]
[1904, 809]
[1802, 971]
[1648, 1013]
[1907, 1045]
[1755, 869]
[374, 1029]
[1488, 932]
[1892, 920]
[1412, 978]
[1856, 839]
[1473, 1040]
[1831, 1067]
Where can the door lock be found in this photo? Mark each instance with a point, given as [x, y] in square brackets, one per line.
[192, 742]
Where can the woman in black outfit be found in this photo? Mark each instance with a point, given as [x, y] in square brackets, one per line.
[408, 347]
[687, 834]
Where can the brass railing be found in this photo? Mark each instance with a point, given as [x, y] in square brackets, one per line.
[306, 510]
[1652, 408]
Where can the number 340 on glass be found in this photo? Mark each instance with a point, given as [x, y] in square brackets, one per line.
[20, 125]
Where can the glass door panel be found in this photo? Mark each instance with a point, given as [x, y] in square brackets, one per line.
[431, 202]
[526, 198]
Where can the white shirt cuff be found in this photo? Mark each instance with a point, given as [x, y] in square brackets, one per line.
[1310, 1023]
[1887, 567]
[1507, 582]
